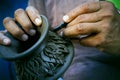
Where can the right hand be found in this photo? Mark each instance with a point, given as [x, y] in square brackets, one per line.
[25, 19]
[100, 21]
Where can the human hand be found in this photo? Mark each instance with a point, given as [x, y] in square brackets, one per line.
[100, 21]
[24, 19]
[4, 40]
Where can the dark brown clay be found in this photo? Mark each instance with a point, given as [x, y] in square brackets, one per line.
[46, 58]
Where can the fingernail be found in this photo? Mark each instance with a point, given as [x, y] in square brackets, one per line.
[24, 37]
[32, 32]
[6, 41]
[66, 18]
[61, 34]
[38, 21]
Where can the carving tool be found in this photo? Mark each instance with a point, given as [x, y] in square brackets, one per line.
[60, 26]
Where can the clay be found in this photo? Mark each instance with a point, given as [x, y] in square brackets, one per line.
[46, 56]
[46, 64]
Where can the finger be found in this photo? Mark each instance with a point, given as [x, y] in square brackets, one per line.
[24, 21]
[93, 40]
[34, 15]
[13, 28]
[85, 8]
[81, 29]
[86, 18]
[4, 40]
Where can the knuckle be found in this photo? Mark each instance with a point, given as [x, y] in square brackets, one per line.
[81, 18]
[80, 28]
[85, 7]
[99, 40]
[106, 26]
[27, 25]
[19, 11]
[71, 13]
[111, 16]
[109, 4]
[17, 33]
[6, 20]
[29, 7]
[108, 14]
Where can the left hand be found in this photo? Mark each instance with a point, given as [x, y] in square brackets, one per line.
[21, 26]
[100, 21]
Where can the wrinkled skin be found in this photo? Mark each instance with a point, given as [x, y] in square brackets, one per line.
[25, 19]
[99, 20]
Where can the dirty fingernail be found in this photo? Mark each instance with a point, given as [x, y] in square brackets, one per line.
[38, 21]
[66, 18]
[32, 32]
[6, 41]
[24, 37]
